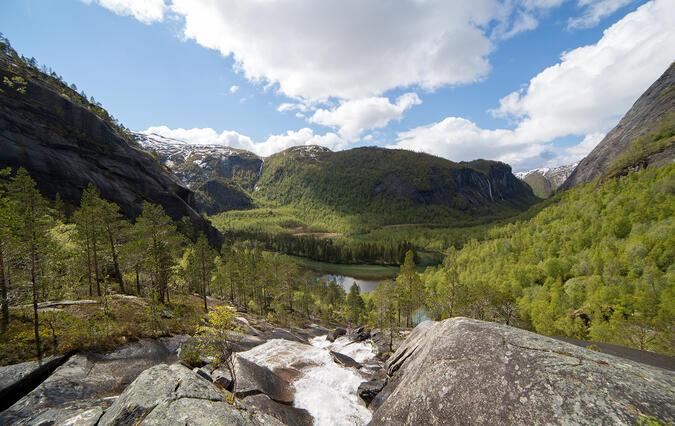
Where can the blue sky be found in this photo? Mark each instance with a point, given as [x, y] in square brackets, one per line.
[457, 79]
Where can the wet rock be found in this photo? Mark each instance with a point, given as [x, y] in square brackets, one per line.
[252, 379]
[334, 334]
[280, 333]
[344, 360]
[316, 330]
[369, 390]
[462, 371]
[358, 334]
[285, 413]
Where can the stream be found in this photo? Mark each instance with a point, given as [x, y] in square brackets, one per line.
[325, 389]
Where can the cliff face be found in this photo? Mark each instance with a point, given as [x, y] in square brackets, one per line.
[544, 181]
[64, 146]
[465, 371]
[647, 112]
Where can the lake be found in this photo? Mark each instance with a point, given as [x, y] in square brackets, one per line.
[346, 282]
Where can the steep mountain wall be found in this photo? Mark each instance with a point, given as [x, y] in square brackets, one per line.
[643, 117]
[64, 146]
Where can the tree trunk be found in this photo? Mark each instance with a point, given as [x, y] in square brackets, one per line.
[3, 286]
[91, 291]
[206, 308]
[138, 283]
[96, 271]
[113, 251]
[35, 303]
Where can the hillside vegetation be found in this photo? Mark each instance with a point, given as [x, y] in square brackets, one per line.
[596, 264]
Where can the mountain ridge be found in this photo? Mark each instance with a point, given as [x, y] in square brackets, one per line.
[66, 143]
[654, 106]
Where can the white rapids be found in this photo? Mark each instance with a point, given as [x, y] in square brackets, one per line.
[325, 389]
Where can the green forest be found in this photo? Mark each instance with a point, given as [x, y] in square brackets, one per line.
[596, 263]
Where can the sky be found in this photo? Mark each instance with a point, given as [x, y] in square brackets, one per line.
[533, 83]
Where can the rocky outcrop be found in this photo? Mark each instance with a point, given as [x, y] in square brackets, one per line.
[254, 379]
[344, 360]
[644, 115]
[87, 381]
[285, 413]
[65, 146]
[545, 181]
[334, 334]
[19, 379]
[174, 395]
[369, 390]
[462, 371]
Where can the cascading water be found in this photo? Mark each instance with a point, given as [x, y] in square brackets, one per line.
[325, 389]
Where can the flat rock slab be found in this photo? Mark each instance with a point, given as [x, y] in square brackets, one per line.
[463, 371]
[88, 381]
[15, 377]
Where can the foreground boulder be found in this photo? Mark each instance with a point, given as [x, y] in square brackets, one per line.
[174, 395]
[253, 379]
[287, 414]
[358, 334]
[462, 371]
[369, 390]
[334, 334]
[87, 381]
[18, 377]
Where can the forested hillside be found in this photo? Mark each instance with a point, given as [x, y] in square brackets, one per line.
[595, 264]
[377, 186]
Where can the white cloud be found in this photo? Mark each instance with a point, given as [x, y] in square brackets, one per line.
[146, 11]
[579, 151]
[593, 86]
[233, 89]
[585, 94]
[354, 117]
[595, 11]
[274, 143]
[348, 49]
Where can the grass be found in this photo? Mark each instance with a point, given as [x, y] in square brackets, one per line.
[88, 328]
[364, 272]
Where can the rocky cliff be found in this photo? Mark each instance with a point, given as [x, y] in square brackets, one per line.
[222, 177]
[644, 117]
[65, 145]
[544, 181]
[464, 371]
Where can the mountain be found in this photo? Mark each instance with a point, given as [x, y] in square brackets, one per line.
[544, 181]
[391, 186]
[221, 177]
[643, 136]
[66, 142]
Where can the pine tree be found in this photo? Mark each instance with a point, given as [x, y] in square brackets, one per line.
[155, 237]
[31, 224]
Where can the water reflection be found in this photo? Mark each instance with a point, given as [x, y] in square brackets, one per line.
[346, 282]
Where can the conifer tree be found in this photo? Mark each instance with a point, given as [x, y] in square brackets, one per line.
[30, 228]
